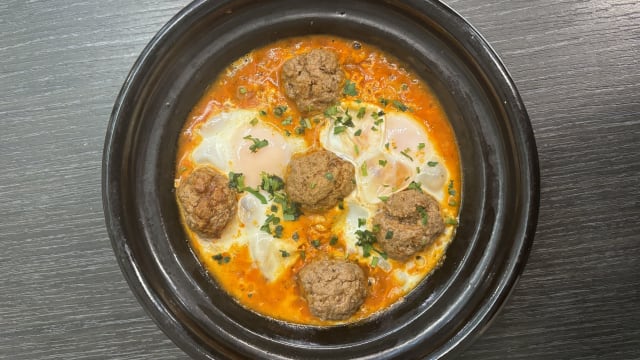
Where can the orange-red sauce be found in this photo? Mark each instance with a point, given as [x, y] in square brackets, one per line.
[253, 82]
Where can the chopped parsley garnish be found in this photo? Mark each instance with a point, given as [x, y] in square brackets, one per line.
[400, 106]
[350, 88]
[366, 239]
[376, 228]
[333, 240]
[284, 253]
[303, 255]
[313, 185]
[384, 101]
[358, 132]
[415, 186]
[242, 90]
[452, 202]
[432, 163]
[405, 154]
[404, 87]
[270, 220]
[451, 190]
[254, 122]
[236, 181]
[378, 121]
[382, 163]
[221, 259]
[451, 221]
[279, 110]
[315, 243]
[421, 146]
[331, 111]
[362, 222]
[341, 205]
[277, 231]
[263, 113]
[383, 198]
[363, 169]
[274, 208]
[361, 112]
[257, 143]
[288, 120]
[271, 183]
[424, 217]
[329, 176]
[374, 261]
[339, 129]
[295, 236]
[388, 235]
[386, 146]
[373, 128]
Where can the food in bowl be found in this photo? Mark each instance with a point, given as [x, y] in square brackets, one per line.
[318, 180]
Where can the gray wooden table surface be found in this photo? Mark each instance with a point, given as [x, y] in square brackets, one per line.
[62, 62]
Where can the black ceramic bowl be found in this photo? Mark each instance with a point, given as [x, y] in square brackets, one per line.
[499, 165]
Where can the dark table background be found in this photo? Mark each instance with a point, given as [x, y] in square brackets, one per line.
[576, 64]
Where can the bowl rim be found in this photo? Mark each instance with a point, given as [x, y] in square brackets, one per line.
[154, 307]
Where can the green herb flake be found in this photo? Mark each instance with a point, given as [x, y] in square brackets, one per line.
[288, 120]
[274, 208]
[405, 153]
[374, 261]
[280, 110]
[271, 183]
[382, 163]
[383, 198]
[362, 222]
[432, 163]
[363, 169]
[450, 189]
[303, 255]
[254, 122]
[339, 129]
[263, 113]
[358, 132]
[386, 146]
[404, 87]
[300, 130]
[384, 101]
[424, 217]
[278, 231]
[341, 205]
[356, 149]
[451, 221]
[284, 253]
[221, 259]
[313, 185]
[378, 122]
[452, 202]
[415, 186]
[242, 90]
[315, 243]
[421, 146]
[331, 111]
[257, 143]
[361, 112]
[376, 228]
[333, 240]
[388, 235]
[295, 236]
[329, 176]
[350, 88]
[400, 106]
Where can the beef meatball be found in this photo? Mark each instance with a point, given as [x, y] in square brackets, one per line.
[334, 289]
[408, 221]
[312, 80]
[207, 202]
[318, 180]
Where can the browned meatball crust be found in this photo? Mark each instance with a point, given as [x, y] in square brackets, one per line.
[318, 180]
[409, 221]
[312, 80]
[334, 289]
[207, 202]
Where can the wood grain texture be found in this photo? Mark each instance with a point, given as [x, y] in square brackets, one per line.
[576, 64]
